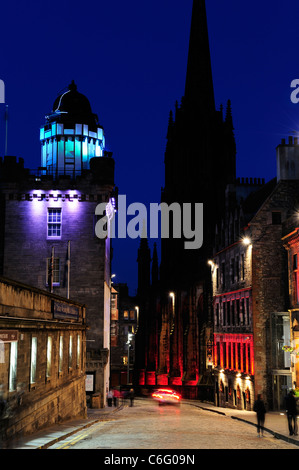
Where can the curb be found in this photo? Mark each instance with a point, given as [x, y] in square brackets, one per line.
[80, 428]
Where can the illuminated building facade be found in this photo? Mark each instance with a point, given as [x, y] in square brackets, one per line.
[48, 218]
[232, 353]
[289, 352]
[250, 301]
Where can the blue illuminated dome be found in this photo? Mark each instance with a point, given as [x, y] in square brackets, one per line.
[71, 136]
[72, 107]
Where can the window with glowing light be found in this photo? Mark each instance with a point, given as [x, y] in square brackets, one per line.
[78, 350]
[132, 314]
[296, 279]
[60, 353]
[54, 222]
[13, 366]
[126, 314]
[71, 352]
[33, 359]
[49, 356]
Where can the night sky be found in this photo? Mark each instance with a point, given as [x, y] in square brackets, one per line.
[129, 59]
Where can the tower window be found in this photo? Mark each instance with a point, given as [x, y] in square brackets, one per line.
[54, 223]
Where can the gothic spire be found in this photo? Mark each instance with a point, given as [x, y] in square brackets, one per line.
[199, 82]
[229, 117]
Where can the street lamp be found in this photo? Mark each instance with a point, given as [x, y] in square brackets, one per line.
[130, 337]
[246, 241]
[137, 310]
[172, 295]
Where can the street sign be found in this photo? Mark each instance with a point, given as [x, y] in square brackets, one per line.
[8, 336]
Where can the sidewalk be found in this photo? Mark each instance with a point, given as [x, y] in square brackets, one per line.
[275, 424]
[46, 437]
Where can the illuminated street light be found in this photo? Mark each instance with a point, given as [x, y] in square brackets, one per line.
[172, 295]
[137, 310]
[130, 337]
[246, 241]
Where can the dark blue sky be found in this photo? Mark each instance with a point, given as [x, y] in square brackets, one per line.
[129, 59]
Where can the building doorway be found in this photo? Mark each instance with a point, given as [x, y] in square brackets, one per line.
[281, 384]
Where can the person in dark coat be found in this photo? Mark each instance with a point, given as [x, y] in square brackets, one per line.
[131, 396]
[260, 409]
[291, 410]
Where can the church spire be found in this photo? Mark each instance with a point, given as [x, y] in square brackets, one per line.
[229, 117]
[199, 82]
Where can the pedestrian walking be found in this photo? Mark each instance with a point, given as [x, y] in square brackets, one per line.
[260, 409]
[131, 396]
[110, 397]
[115, 397]
[291, 410]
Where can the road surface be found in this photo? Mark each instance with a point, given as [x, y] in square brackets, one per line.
[147, 425]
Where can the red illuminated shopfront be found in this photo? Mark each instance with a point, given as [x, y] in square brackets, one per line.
[234, 352]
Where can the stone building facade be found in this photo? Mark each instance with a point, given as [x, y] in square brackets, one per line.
[290, 239]
[290, 342]
[48, 220]
[42, 359]
[250, 287]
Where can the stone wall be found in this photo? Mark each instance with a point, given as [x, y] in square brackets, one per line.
[55, 391]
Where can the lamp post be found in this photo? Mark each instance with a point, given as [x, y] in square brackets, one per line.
[137, 315]
[130, 336]
[172, 295]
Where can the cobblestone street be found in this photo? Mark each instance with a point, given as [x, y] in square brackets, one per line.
[147, 425]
